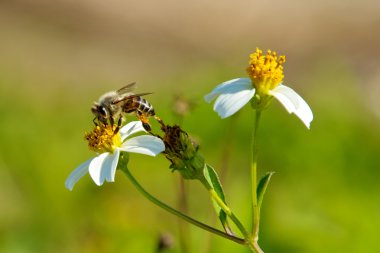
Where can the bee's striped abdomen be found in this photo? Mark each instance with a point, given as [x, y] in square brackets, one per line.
[144, 107]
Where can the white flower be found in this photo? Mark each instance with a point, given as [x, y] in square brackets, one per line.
[103, 167]
[266, 74]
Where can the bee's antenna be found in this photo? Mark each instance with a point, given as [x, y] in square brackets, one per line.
[94, 121]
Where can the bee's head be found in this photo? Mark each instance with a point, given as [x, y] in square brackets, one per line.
[99, 111]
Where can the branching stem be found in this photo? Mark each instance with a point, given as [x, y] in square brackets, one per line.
[178, 213]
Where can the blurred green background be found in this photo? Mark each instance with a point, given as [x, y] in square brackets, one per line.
[58, 57]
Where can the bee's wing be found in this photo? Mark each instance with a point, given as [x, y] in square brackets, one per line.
[131, 96]
[127, 88]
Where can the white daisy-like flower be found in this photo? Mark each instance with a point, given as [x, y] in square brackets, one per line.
[265, 82]
[108, 145]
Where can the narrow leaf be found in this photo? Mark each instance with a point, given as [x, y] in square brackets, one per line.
[213, 179]
[262, 187]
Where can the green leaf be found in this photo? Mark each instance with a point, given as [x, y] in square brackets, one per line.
[213, 179]
[262, 187]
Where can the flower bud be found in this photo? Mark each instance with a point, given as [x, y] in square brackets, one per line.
[183, 154]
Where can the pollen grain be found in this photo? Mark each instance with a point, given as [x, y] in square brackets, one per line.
[103, 139]
[265, 71]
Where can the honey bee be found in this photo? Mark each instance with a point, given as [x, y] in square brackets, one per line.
[112, 106]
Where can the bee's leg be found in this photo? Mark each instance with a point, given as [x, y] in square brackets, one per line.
[159, 121]
[144, 121]
[101, 121]
[112, 122]
[119, 121]
[146, 126]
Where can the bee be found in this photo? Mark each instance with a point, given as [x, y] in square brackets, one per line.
[112, 107]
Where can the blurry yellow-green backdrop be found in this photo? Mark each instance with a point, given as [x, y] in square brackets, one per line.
[57, 57]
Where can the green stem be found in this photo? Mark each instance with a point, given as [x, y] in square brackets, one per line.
[248, 239]
[177, 213]
[183, 227]
[214, 195]
[255, 208]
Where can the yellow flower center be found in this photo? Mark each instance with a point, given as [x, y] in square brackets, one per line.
[103, 139]
[265, 71]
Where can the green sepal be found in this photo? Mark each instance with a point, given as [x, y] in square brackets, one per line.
[123, 160]
[262, 187]
[213, 180]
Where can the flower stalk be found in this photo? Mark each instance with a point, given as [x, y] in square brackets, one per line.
[255, 206]
[175, 212]
[215, 196]
[183, 227]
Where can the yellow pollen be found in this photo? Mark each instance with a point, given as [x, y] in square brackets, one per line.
[103, 139]
[265, 71]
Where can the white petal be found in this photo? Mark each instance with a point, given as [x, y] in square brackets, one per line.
[97, 170]
[293, 103]
[229, 103]
[110, 165]
[230, 86]
[131, 128]
[77, 174]
[144, 144]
